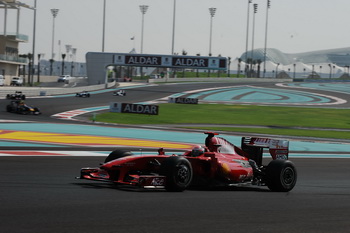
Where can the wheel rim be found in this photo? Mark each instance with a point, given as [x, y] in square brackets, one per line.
[288, 176]
[183, 174]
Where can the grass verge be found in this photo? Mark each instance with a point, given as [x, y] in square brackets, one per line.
[218, 114]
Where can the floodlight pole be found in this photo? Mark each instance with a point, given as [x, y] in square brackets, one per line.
[173, 37]
[247, 34]
[104, 26]
[143, 9]
[212, 11]
[253, 33]
[266, 26]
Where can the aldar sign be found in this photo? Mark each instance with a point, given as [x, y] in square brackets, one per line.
[180, 100]
[168, 61]
[134, 108]
[143, 60]
[190, 62]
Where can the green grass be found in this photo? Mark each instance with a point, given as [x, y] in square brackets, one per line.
[244, 115]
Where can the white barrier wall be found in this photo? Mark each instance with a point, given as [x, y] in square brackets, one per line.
[39, 91]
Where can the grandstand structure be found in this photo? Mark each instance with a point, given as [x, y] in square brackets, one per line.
[339, 57]
[330, 63]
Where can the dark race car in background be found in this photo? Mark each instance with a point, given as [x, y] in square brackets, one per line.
[83, 94]
[218, 163]
[18, 95]
[18, 106]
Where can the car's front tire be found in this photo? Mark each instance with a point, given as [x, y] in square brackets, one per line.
[178, 172]
[281, 175]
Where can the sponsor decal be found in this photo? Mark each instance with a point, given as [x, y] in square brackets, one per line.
[102, 175]
[176, 61]
[158, 181]
[190, 62]
[140, 109]
[183, 100]
[261, 141]
[284, 157]
[115, 107]
[134, 108]
[225, 168]
[143, 60]
[167, 61]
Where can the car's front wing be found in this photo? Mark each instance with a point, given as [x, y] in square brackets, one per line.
[144, 181]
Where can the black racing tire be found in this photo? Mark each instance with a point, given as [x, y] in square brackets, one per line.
[117, 154]
[23, 97]
[178, 172]
[281, 175]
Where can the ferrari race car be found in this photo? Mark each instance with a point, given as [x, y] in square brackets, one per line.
[119, 93]
[18, 95]
[218, 163]
[18, 106]
[82, 94]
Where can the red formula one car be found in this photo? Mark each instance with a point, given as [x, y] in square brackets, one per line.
[219, 162]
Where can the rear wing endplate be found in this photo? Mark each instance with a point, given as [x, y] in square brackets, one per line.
[279, 149]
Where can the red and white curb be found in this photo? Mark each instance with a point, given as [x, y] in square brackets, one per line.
[70, 114]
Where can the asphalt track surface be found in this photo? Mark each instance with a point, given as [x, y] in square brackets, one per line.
[40, 194]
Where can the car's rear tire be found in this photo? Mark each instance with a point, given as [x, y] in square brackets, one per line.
[281, 175]
[178, 172]
[117, 154]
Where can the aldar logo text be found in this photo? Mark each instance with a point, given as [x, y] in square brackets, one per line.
[152, 60]
[183, 100]
[134, 108]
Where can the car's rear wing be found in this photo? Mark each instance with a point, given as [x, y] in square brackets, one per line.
[251, 147]
[279, 149]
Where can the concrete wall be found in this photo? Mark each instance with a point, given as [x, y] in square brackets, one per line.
[42, 79]
[96, 64]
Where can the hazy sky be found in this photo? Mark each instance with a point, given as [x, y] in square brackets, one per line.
[294, 26]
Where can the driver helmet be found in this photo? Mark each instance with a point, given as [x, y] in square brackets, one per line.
[197, 151]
